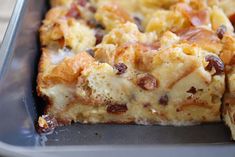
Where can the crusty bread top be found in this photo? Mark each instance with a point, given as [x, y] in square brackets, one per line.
[163, 56]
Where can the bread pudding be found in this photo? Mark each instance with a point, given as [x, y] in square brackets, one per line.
[146, 62]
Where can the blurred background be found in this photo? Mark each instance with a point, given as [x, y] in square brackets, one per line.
[6, 8]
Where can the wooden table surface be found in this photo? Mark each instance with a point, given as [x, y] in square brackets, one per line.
[6, 8]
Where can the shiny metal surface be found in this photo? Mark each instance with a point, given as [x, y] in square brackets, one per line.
[18, 56]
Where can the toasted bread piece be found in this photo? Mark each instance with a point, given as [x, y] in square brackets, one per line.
[60, 29]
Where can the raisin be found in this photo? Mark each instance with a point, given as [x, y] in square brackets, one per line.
[94, 24]
[221, 31]
[232, 19]
[92, 9]
[99, 34]
[163, 100]
[138, 22]
[178, 110]
[216, 63]
[99, 26]
[61, 41]
[146, 105]
[46, 124]
[147, 81]
[117, 108]
[90, 52]
[121, 68]
[192, 90]
[74, 12]
[82, 2]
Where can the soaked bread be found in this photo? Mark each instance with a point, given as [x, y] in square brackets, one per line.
[141, 61]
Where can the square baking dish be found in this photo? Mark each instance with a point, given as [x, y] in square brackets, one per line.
[20, 107]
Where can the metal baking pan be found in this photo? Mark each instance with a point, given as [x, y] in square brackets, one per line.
[20, 107]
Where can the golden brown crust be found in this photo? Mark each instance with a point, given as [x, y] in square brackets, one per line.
[141, 61]
[228, 53]
[89, 102]
[69, 70]
[111, 15]
[62, 29]
[206, 39]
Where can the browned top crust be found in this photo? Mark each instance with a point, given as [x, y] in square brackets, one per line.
[142, 61]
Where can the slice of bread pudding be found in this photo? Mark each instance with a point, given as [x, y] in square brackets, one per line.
[143, 61]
